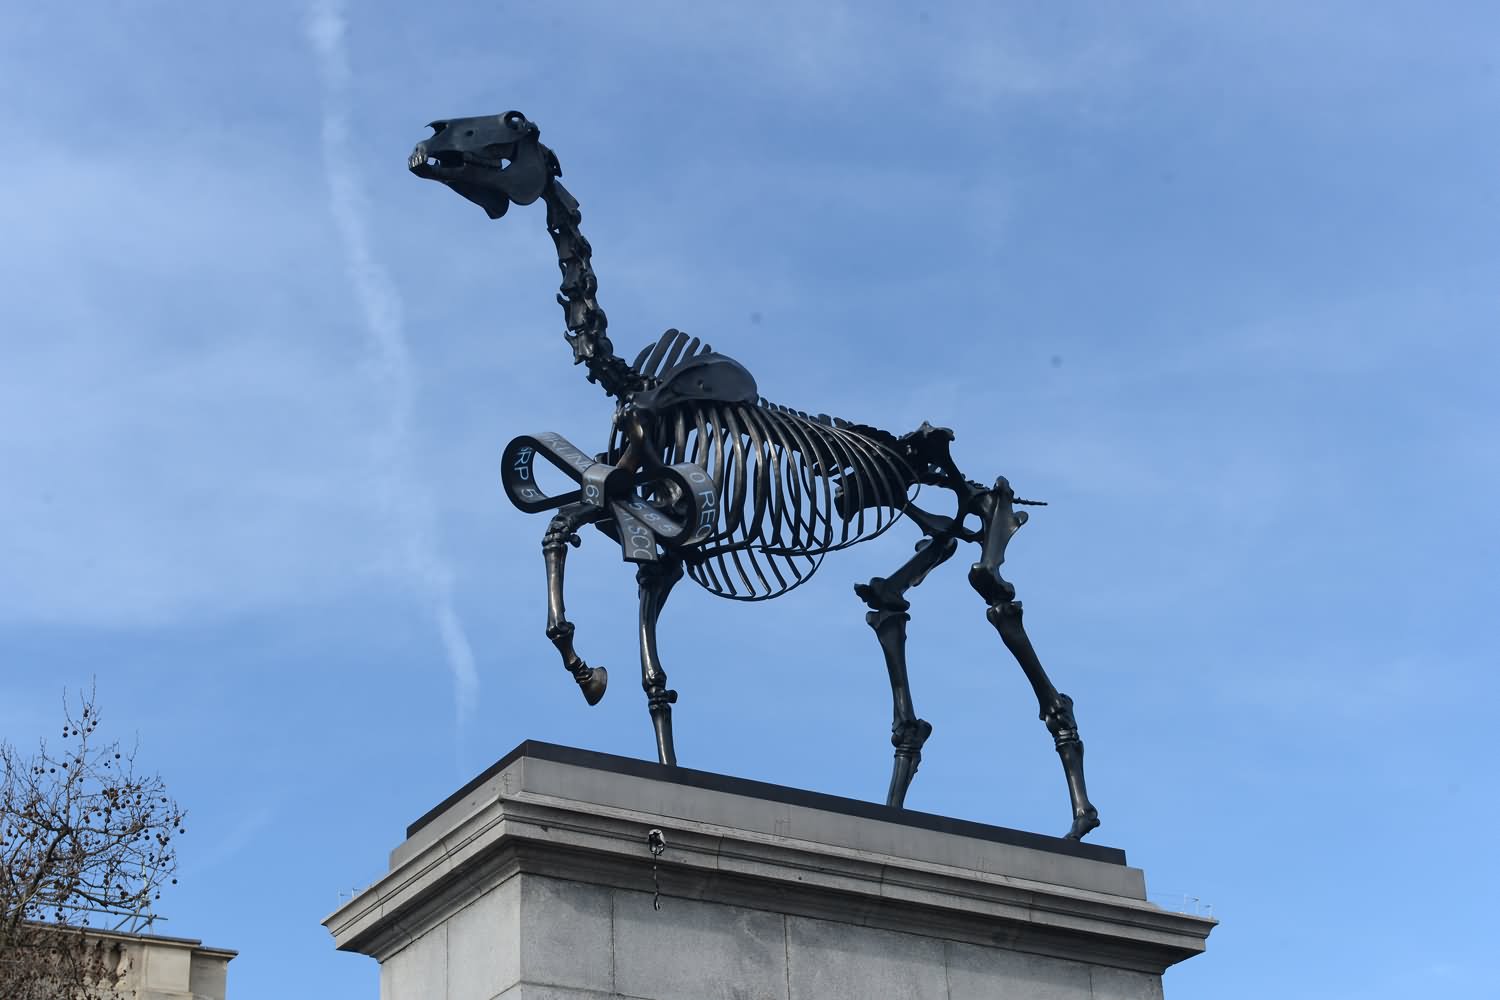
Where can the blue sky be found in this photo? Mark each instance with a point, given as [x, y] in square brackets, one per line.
[1217, 281]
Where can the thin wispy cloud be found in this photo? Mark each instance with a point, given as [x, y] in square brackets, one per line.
[409, 505]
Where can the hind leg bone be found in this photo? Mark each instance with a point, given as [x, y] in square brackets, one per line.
[1001, 521]
[888, 617]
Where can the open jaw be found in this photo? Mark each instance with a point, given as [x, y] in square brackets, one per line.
[476, 182]
[435, 165]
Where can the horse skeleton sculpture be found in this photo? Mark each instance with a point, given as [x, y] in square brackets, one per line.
[703, 476]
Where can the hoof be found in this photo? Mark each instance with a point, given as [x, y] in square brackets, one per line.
[593, 684]
[1083, 824]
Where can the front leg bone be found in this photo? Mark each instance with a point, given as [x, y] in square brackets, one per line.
[561, 533]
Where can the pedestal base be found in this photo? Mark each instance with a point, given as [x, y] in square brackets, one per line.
[535, 881]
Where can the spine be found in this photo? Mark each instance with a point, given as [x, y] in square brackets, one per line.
[586, 322]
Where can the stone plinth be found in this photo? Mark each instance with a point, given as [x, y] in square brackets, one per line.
[535, 881]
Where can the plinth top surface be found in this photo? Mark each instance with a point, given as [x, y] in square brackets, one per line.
[636, 830]
[630, 767]
[604, 824]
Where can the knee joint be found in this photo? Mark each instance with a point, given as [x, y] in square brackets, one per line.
[559, 537]
[1058, 715]
[880, 596]
[908, 737]
[658, 697]
[987, 581]
[561, 530]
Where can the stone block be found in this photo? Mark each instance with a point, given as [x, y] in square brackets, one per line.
[833, 961]
[209, 976]
[979, 973]
[690, 950]
[530, 991]
[565, 934]
[167, 970]
[483, 945]
[418, 970]
[1121, 984]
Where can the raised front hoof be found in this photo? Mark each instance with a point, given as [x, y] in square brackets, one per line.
[593, 684]
[1083, 824]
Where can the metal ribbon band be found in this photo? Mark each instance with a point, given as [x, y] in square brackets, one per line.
[642, 525]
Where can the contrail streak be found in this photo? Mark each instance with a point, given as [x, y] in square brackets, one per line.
[391, 359]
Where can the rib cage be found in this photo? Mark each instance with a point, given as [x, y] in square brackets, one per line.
[792, 487]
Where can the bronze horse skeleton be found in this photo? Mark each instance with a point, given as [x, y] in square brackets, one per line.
[705, 478]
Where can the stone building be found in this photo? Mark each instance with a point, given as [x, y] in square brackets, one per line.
[160, 968]
[169, 968]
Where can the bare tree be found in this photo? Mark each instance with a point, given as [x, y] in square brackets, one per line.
[85, 844]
